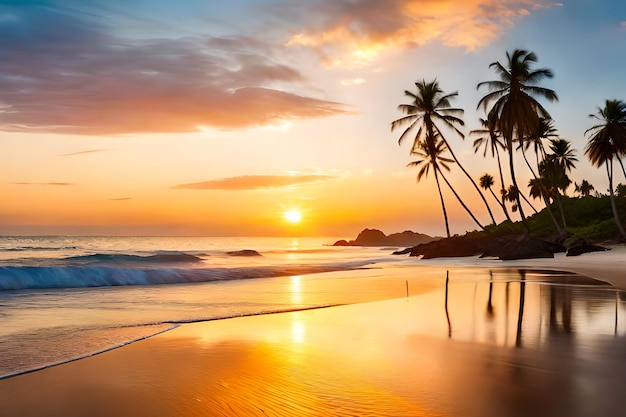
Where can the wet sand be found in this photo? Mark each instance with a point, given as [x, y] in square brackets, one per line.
[499, 343]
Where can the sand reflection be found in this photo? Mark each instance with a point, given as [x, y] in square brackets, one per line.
[501, 343]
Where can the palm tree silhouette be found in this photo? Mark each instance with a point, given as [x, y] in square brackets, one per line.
[543, 130]
[431, 150]
[585, 188]
[430, 105]
[486, 182]
[490, 141]
[561, 160]
[514, 107]
[607, 142]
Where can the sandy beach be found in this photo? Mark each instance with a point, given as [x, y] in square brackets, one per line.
[489, 342]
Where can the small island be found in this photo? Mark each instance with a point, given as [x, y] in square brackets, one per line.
[375, 237]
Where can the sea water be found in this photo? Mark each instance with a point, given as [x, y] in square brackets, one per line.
[63, 298]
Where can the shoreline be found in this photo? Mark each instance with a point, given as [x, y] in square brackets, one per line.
[404, 356]
[588, 265]
[371, 358]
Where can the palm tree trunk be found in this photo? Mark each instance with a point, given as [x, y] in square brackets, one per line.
[622, 165]
[543, 195]
[529, 203]
[560, 205]
[506, 213]
[502, 200]
[461, 201]
[493, 220]
[443, 205]
[514, 180]
[609, 172]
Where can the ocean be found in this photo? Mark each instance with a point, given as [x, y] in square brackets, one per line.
[65, 298]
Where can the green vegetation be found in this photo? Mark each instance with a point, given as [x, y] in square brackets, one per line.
[517, 122]
[587, 217]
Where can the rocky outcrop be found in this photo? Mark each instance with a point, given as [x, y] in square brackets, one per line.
[374, 237]
[580, 246]
[244, 252]
[503, 247]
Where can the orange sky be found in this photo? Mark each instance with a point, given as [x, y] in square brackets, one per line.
[209, 119]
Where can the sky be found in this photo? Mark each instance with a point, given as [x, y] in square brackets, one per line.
[216, 118]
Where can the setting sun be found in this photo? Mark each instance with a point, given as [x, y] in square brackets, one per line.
[293, 216]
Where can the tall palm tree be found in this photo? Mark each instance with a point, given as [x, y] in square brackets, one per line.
[486, 182]
[490, 141]
[607, 143]
[430, 150]
[429, 106]
[514, 107]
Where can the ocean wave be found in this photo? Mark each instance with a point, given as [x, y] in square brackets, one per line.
[82, 276]
[125, 258]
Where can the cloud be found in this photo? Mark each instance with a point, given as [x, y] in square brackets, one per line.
[622, 25]
[67, 72]
[355, 32]
[55, 184]
[120, 199]
[353, 81]
[85, 152]
[255, 182]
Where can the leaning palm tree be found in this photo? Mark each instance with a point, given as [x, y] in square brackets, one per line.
[429, 106]
[514, 107]
[486, 182]
[489, 140]
[430, 150]
[607, 143]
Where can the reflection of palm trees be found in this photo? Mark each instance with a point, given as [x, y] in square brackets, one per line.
[560, 298]
[489, 303]
[446, 305]
[520, 314]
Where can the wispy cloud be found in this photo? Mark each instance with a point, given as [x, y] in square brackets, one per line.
[54, 184]
[64, 71]
[355, 32]
[255, 182]
[120, 199]
[85, 152]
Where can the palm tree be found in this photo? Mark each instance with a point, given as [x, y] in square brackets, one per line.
[486, 182]
[556, 166]
[431, 150]
[544, 129]
[607, 143]
[585, 188]
[613, 126]
[430, 105]
[490, 142]
[563, 154]
[514, 107]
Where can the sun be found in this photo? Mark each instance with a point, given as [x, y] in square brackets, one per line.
[293, 216]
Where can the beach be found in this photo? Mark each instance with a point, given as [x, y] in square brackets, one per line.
[472, 340]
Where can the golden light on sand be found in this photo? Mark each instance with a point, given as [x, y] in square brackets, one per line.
[293, 216]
